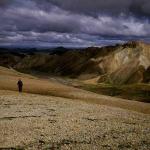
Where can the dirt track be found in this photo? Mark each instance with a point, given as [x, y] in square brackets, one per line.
[29, 121]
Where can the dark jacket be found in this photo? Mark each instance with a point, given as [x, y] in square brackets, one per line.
[20, 83]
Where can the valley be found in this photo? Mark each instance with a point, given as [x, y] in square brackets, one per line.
[100, 101]
[110, 70]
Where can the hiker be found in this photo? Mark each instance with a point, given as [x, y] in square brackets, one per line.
[20, 85]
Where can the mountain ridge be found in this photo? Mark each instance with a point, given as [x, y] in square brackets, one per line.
[120, 64]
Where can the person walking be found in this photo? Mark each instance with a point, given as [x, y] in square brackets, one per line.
[20, 85]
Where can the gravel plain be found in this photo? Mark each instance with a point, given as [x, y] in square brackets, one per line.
[34, 122]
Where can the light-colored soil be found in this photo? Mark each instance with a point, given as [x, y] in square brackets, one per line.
[35, 122]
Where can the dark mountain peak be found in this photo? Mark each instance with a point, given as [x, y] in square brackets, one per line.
[133, 44]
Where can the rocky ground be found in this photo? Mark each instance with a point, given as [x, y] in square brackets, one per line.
[34, 122]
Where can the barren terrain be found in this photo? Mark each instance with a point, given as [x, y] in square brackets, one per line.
[51, 115]
[9, 77]
[29, 121]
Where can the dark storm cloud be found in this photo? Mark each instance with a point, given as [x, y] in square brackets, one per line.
[73, 22]
[113, 7]
[4, 2]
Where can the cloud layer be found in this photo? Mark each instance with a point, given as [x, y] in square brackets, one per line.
[73, 22]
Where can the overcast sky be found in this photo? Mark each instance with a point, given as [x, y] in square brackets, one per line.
[73, 23]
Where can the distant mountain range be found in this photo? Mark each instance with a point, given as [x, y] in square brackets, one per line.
[120, 64]
[31, 49]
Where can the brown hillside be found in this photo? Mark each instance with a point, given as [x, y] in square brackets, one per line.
[121, 64]
[8, 79]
